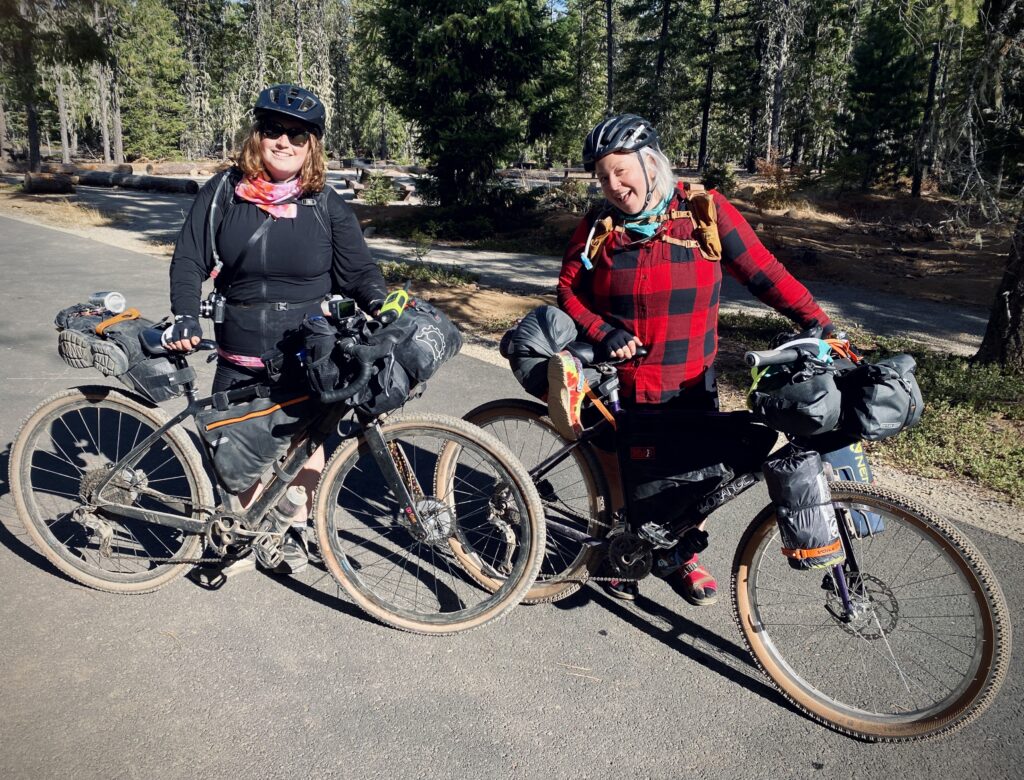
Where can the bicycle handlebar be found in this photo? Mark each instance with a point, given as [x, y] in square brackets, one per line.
[365, 355]
[771, 357]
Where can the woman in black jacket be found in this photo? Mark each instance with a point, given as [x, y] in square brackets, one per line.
[277, 242]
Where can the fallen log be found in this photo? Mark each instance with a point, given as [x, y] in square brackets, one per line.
[155, 183]
[50, 167]
[172, 168]
[48, 183]
[105, 167]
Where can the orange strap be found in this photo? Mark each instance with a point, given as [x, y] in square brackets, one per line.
[600, 406]
[127, 314]
[255, 415]
[817, 552]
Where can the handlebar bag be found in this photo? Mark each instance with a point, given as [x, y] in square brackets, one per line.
[800, 399]
[246, 438]
[803, 510]
[118, 352]
[426, 339]
[881, 399]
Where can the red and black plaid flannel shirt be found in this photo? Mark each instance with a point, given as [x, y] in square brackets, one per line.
[667, 295]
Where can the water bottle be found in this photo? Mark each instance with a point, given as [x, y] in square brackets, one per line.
[110, 300]
[287, 511]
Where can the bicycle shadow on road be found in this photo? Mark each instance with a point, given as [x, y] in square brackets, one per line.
[13, 535]
[672, 629]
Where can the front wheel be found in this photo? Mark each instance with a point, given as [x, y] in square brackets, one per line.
[929, 642]
[400, 566]
[573, 491]
[67, 447]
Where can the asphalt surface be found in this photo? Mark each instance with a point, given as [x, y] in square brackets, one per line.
[275, 677]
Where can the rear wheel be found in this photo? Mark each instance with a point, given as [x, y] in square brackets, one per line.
[402, 568]
[928, 647]
[573, 491]
[67, 446]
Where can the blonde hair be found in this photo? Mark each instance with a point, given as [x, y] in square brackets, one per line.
[314, 169]
[664, 176]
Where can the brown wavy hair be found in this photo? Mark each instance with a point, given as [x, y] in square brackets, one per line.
[313, 172]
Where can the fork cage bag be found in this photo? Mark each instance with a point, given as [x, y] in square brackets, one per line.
[803, 509]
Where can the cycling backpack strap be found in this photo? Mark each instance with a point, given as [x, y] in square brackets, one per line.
[212, 224]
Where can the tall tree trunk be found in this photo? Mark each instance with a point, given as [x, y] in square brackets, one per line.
[115, 119]
[922, 145]
[4, 158]
[300, 66]
[103, 82]
[1004, 336]
[62, 113]
[709, 84]
[28, 79]
[659, 63]
[779, 83]
[610, 46]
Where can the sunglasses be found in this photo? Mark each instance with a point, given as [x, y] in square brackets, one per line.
[297, 136]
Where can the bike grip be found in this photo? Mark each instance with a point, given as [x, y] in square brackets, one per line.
[349, 390]
[771, 357]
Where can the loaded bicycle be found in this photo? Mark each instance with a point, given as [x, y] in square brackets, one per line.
[116, 494]
[907, 636]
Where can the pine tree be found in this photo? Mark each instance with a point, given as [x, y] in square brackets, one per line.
[471, 74]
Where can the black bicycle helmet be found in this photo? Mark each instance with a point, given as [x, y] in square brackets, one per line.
[294, 102]
[623, 133]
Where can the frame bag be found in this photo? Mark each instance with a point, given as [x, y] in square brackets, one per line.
[881, 399]
[246, 438]
[803, 509]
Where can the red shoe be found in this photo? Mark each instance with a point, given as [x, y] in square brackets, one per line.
[566, 389]
[698, 586]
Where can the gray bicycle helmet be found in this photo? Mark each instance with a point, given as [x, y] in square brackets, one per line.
[623, 133]
[295, 102]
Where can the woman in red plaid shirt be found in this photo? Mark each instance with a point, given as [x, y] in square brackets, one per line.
[645, 269]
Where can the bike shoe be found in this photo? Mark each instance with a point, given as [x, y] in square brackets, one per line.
[109, 358]
[627, 591]
[75, 348]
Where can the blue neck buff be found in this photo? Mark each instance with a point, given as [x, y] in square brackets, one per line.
[636, 223]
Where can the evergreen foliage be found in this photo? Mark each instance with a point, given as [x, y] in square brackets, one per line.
[471, 74]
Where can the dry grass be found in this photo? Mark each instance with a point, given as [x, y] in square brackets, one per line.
[57, 210]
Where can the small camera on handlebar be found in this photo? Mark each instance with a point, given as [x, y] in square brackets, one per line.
[213, 307]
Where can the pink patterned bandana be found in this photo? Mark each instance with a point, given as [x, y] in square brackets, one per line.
[278, 200]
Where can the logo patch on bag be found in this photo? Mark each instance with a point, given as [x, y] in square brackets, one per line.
[433, 338]
[643, 453]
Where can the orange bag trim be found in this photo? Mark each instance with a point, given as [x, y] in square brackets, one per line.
[127, 314]
[254, 415]
[800, 555]
[600, 406]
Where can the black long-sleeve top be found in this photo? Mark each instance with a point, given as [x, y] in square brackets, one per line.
[297, 262]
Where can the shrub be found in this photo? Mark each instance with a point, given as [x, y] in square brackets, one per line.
[719, 176]
[379, 191]
[573, 195]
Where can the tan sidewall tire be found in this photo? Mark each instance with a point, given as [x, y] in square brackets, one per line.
[598, 498]
[190, 459]
[441, 423]
[995, 621]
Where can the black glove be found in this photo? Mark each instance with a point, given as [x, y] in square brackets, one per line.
[185, 327]
[617, 339]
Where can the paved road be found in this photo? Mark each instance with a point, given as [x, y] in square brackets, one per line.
[156, 218]
[284, 678]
